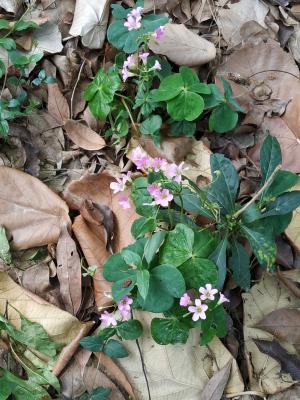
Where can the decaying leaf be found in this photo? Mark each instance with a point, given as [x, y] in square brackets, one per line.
[289, 362]
[68, 271]
[214, 388]
[83, 136]
[10, 5]
[4, 246]
[47, 39]
[57, 104]
[90, 22]
[290, 279]
[179, 371]
[31, 213]
[293, 230]
[290, 394]
[262, 299]
[183, 47]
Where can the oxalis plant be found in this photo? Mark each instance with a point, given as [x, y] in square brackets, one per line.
[139, 94]
[187, 240]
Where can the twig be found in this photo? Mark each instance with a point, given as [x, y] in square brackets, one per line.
[75, 86]
[130, 115]
[267, 183]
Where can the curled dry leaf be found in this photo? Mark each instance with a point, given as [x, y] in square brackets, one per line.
[83, 136]
[29, 210]
[262, 299]
[92, 241]
[179, 371]
[183, 46]
[68, 271]
[47, 38]
[57, 104]
[90, 22]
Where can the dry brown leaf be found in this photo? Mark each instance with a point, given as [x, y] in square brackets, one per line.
[290, 394]
[96, 188]
[61, 326]
[293, 230]
[83, 136]
[183, 46]
[265, 297]
[37, 278]
[57, 104]
[176, 371]
[90, 22]
[290, 279]
[68, 271]
[214, 388]
[30, 212]
[93, 246]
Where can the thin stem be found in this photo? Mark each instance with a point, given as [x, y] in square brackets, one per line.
[261, 190]
[144, 369]
[130, 116]
[75, 86]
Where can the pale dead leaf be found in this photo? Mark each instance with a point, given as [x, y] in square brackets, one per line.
[10, 5]
[265, 297]
[293, 230]
[183, 47]
[57, 104]
[47, 38]
[30, 212]
[83, 136]
[90, 22]
[214, 388]
[290, 394]
[231, 18]
[176, 371]
[68, 271]
[93, 246]
[36, 278]
[61, 326]
[96, 188]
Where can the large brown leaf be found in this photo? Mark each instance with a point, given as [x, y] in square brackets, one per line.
[30, 212]
[57, 104]
[83, 136]
[68, 271]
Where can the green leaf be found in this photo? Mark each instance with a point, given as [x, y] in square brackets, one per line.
[2, 72]
[4, 24]
[283, 181]
[214, 325]
[229, 96]
[183, 128]
[225, 184]
[130, 330]
[92, 343]
[99, 393]
[170, 279]
[218, 256]
[98, 109]
[240, 265]
[115, 269]
[141, 196]
[153, 244]
[199, 271]
[4, 128]
[119, 12]
[131, 258]
[191, 203]
[169, 331]
[213, 99]
[223, 119]
[141, 226]
[122, 288]
[21, 25]
[151, 125]
[191, 80]
[8, 43]
[153, 302]
[153, 21]
[119, 36]
[186, 106]
[270, 157]
[284, 204]
[178, 246]
[18, 59]
[4, 246]
[114, 349]
[169, 88]
[142, 281]
[278, 223]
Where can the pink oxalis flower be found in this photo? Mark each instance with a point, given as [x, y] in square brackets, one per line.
[144, 57]
[156, 66]
[159, 33]
[159, 164]
[223, 299]
[126, 315]
[185, 300]
[136, 12]
[153, 189]
[207, 293]
[125, 303]
[198, 310]
[124, 202]
[133, 23]
[163, 198]
[108, 319]
[175, 171]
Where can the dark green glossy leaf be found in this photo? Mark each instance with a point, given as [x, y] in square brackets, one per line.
[92, 343]
[223, 119]
[284, 204]
[218, 256]
[153, 244]
[123, 287]
[130, 330]
[115, 269]
[229, 96]
[169, 331]
[283, 181]
[8, 43]
[270, 157]
[151, 125]
[183, 128]
[169, 88]
[198, 272]
[240, 265]
[141, 226]
[119, 12]
[114, 349]
[99, 393]
[186, 106]
[214, 98]
[170, 279]
[142, 281]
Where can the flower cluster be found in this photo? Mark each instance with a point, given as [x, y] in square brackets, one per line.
[198, 308]
[120, 186]
[130, 64]
[134, 19]
[124, 306]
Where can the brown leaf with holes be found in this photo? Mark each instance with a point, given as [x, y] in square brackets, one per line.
[57, 104]
[68, 271]
[29, 210]
[83, 136]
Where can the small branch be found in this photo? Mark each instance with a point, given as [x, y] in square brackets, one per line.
[130, 116]
[262, 189]
[75, 86]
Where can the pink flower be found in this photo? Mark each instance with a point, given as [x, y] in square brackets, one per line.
[154, 189]
[118, 186]
[159, 164]
[156, 66]
[108, 319]
[132, 22]
[144, 57]
[124, 303]
[222, 299]
[163, 198]
[124, 202]
[185, 300]
[126, 315]
[126, 74]
[137, 154]
[198, 310]
[159, 33]
[136, 12]
[207, 293]
[175, 171]
[129, 62]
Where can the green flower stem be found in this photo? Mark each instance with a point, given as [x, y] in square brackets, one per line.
[130, 116]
